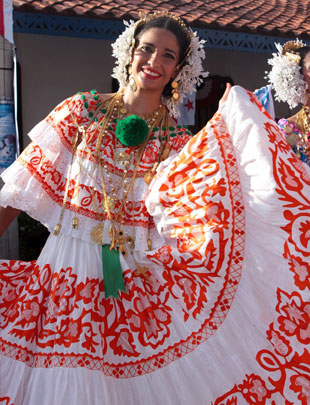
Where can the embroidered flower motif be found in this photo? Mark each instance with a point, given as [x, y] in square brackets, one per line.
[281, 345]
[302, 272]
[276, 137]
[305, 234]
[295, 316]
[301, 384]
[150, 320]
[254, 390]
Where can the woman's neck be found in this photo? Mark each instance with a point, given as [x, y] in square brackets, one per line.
[141, 102]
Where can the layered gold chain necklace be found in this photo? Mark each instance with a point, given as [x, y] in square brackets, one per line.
[303, 121]
[117, 236]
[113, 203]
[114, 194]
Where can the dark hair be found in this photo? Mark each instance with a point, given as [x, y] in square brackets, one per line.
[303, 52]
[181, 34]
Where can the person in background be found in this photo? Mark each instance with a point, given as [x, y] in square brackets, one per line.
[290, 79]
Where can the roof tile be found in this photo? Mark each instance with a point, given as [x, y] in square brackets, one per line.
[276, 17]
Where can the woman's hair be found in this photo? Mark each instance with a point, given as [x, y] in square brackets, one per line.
[180, 32]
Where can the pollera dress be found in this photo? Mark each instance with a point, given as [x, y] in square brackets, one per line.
[217, 312]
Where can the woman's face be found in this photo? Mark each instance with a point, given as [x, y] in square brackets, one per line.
[306, 70]
[155, 59]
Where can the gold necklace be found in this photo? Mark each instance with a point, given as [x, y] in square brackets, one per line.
[113, 112]
[116, 234]
[303, 120]
[306, 119]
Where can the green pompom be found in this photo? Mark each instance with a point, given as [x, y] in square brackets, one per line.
[132, 130]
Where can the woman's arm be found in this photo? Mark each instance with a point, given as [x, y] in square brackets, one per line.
[6, 217]
[225, 95]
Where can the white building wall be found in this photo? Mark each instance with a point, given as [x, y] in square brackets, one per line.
[53, 68]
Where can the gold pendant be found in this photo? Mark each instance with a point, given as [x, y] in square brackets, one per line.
[121, 242]
[57, 229]
[96, 234]
[123, 157]
[112, 235]
[292, 139]
[132, 241]
[148, 177]
[166, 152]
[108, 204]
[75, 222]
[288, 129]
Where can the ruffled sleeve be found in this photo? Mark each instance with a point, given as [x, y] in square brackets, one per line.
[36, 181]
[179, 136]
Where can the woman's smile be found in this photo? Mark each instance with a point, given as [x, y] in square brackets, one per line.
[151, 74]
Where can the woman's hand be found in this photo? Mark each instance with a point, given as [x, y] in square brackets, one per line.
[225, 95]
[6, 217]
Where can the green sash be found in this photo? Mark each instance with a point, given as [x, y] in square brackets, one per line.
[112, 272]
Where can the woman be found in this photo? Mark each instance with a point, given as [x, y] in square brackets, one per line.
[290, 78]
[117, 310]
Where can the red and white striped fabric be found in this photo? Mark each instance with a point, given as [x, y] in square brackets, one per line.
[6, 20]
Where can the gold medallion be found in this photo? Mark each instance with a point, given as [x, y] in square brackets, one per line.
[96, 234]
[292, 139]
[148, 177]
[108, 204]
[288, 129]
[123, 157]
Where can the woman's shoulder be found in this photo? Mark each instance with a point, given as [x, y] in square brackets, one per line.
[92, 97]
[82, 104]
[179, 135]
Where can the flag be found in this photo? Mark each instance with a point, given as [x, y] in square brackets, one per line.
[6, 20]
[265, 98]
[187, 110]
[7, 136]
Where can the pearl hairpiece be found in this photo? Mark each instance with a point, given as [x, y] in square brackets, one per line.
[285, 75]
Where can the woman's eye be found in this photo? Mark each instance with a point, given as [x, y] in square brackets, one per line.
[146, 48]
[169, 55]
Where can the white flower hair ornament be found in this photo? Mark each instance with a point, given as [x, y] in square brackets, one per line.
[191, 72]
[285, 75]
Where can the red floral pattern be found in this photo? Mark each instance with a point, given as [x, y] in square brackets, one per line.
[59, 313]
[55, 311]
[289, 369]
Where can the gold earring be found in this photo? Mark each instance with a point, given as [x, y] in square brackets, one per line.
[131, 81]
[175, 91]
[132, 84]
